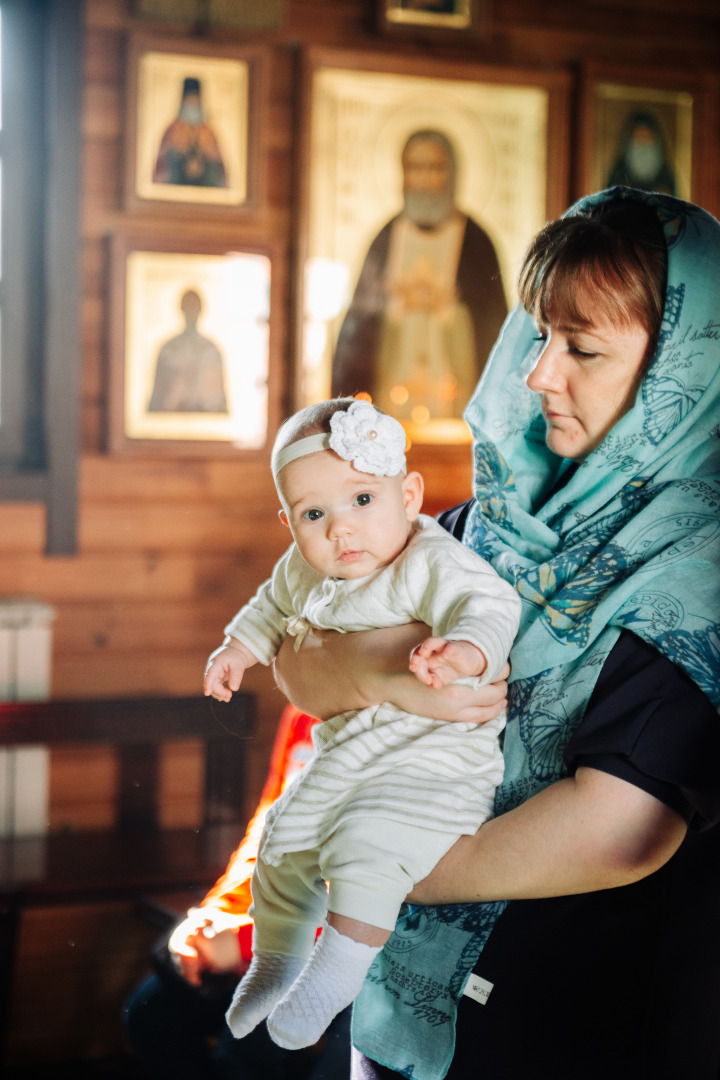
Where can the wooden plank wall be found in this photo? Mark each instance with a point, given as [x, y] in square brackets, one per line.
[169, 548]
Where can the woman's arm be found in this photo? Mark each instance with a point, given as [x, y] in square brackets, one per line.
[588, 832]
[334, 672]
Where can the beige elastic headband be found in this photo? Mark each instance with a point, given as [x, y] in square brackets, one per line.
[309, 445]
[372, 441]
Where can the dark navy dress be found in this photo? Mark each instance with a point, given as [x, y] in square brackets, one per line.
[621, 984]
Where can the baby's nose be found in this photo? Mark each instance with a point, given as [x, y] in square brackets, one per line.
[339, 525]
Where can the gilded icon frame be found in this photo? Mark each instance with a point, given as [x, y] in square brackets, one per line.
[677, 109]
[423, 18]
[232, 87]
[343, 201]
[225, 295]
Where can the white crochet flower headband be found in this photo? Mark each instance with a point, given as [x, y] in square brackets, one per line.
[373, 442]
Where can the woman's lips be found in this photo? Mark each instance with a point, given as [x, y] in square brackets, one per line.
[551, 414]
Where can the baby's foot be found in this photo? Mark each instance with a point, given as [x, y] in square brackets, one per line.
[267, 979]
[331, 979]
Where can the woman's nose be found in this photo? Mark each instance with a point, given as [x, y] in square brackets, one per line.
[547, 374]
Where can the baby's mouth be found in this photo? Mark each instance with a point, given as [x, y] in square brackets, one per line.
[350, 556]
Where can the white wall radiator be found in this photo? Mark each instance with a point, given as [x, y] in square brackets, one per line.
[25, 665]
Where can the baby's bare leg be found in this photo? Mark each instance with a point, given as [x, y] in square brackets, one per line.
[358, 931]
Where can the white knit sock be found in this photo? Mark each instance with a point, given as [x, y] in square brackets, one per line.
[259, 990]
[331, 979]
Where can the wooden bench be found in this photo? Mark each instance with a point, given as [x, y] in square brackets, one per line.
[136, 856]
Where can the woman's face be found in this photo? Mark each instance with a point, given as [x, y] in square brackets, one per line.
[588, 378]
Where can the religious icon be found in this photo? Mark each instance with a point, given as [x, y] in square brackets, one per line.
[429, 302]
[422, 194]
[189, 376]
[190, 135]
[189, 152]
[458, 16]
[638, 136]
[643, 160]
[191, 361]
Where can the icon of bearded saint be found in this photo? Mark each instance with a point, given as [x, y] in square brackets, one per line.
[429, 301]
[643, 160]
[189, 153]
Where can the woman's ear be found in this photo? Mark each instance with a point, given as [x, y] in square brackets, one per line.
[283, 517]
[413, 488]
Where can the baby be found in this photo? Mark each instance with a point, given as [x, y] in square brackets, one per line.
[386, 793]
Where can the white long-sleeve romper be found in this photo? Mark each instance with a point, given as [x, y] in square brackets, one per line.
[386, 793]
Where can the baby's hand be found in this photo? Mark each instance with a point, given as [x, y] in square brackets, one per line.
[225, 670]
[437, 662]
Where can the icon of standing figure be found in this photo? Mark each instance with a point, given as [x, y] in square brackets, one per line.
[189, 151]
[189, 376]
[429, 302]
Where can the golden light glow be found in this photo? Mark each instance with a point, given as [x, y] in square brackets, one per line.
[448, 389]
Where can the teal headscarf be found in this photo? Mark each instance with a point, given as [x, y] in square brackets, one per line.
[630, 541]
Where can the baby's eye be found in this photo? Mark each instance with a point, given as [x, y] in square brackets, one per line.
[312, 515]
[364, 499]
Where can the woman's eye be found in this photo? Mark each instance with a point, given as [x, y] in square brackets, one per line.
[364, 499]
[582, 355]
[312, 515]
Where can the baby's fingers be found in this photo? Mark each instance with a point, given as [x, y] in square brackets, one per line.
[431, 646]
[214, 685]
[419, 667]
[422, 673]
[425, 672]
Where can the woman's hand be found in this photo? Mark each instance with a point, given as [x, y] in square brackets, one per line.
[334, 672]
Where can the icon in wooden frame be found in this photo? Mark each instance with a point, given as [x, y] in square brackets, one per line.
[193, 137]
[650, 129]
[436, 18]
[508, 131]
[191, 354]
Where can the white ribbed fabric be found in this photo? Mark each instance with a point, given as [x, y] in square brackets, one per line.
[383, 763]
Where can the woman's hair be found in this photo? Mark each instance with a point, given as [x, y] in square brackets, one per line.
[609, 261]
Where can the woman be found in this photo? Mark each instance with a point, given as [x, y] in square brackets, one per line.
[597, 484]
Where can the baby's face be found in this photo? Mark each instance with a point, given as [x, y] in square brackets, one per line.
[347, 523]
